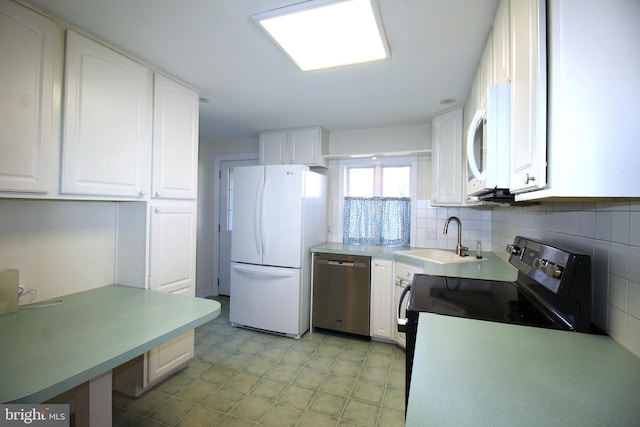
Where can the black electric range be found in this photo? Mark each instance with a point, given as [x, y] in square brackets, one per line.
[553, 290]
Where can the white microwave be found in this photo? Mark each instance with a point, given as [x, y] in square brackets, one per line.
[488, 146]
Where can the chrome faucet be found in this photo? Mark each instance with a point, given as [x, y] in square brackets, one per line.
[460, 250]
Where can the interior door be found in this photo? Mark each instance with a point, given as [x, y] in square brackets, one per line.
[225, 225]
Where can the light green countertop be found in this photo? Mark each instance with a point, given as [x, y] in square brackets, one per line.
[46, 351]
[491, 268]
[478, 373]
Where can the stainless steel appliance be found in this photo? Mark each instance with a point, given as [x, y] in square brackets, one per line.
[553, 290]
[341, 293]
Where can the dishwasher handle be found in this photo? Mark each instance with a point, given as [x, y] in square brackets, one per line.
[402, 322]
[341, 263]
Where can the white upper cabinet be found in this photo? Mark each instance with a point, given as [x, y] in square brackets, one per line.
[107, 122]
[528, 95]
[591, 60]
[308, 146]
[273, 148]
[305, 146]
[486, 70]
[175, 140]
[502, 44]
[30, 83]
[447, 159]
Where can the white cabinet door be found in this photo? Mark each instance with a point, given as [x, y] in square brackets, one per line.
[31, 67]
[447, 159]
[165, 358]
[382, 312]
[306, 146]
[273, 148]
[107, 122]
[528, 96]
[172, 269]
[486, 70]
[172, 265]
[175, 140]
[502, 44]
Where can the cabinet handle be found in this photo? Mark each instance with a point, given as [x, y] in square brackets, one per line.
[528, 178]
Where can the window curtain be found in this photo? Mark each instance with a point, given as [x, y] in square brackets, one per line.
[380, 221]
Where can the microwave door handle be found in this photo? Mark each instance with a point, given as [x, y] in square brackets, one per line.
[471, 158]
[402, 322]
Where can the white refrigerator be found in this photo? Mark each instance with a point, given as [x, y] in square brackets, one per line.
[278, 213]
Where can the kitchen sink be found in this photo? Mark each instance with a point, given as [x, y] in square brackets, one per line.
[438, 256]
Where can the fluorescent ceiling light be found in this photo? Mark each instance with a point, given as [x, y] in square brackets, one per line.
[327, 33]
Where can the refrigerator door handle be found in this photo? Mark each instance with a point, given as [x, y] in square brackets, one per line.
[258, 272]
[263, 214]
[258, 216]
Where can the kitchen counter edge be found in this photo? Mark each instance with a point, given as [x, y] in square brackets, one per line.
[490, 268]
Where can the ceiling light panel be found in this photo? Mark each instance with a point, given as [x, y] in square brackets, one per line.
[327, 33]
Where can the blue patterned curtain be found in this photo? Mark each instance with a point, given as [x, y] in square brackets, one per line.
[381, 221]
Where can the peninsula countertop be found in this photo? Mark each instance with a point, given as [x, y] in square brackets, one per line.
[46, 351]
[491, 267]
[478, 373]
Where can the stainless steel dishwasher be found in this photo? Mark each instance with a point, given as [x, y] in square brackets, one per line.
[341, 292]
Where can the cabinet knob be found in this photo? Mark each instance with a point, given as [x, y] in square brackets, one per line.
[376, 263]
[142, 192]
[157, 194]
[157, 210]
[529, 178]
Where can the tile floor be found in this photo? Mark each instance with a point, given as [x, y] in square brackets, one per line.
[241, 377]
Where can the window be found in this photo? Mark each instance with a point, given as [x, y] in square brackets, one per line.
[377, 200]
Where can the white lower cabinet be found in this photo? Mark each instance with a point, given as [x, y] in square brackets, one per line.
[170, 245]
[167, 357]
[382, 321]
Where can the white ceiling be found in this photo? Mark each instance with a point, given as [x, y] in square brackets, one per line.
[214, 46]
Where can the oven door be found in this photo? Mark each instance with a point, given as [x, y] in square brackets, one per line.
[476, 153]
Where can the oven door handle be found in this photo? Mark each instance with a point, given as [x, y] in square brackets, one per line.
[402, 322]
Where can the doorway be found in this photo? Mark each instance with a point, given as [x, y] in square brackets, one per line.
[225, 211]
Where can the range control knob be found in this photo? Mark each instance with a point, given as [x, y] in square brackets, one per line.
[514, 250]
[557, 272]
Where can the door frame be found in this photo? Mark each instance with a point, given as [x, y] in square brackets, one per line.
[217, 161]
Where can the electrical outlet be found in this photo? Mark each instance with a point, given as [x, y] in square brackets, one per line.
[431, 234]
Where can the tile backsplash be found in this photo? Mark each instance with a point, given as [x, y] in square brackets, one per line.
[608, 232]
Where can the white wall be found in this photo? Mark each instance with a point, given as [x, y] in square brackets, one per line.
[59, 247]
[398, 139]
[609, 233]
[207, 228]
